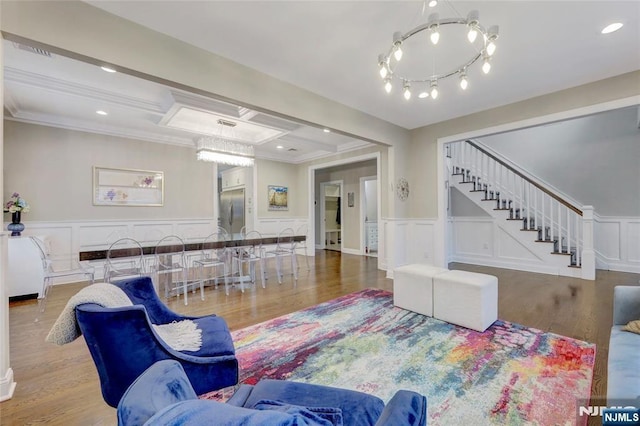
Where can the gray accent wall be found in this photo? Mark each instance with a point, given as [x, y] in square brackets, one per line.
[462, 206]
[595, 160]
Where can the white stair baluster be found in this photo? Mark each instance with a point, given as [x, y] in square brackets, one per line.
[569, 230]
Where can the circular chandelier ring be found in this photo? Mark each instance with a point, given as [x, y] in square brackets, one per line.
[484, 51]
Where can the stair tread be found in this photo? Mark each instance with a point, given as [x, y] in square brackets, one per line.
[526, 229]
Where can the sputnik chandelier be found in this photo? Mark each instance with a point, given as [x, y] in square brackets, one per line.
[481, 42]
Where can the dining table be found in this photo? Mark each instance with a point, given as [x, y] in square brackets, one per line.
[148, 250]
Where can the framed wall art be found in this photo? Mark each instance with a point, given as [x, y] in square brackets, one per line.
[127, 187]
[278, 198]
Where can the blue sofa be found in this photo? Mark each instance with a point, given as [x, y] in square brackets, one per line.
[163, 396]
[623, 375]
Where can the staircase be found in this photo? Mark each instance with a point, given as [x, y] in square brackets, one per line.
[552, 228]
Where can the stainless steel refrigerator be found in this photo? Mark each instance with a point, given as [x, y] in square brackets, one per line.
[232, 211]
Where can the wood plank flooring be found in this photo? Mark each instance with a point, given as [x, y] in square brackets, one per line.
[59, 385]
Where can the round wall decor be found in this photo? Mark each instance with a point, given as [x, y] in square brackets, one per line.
[402, 189]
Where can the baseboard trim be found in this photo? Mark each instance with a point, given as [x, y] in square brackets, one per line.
[352, 251]
[7, 386]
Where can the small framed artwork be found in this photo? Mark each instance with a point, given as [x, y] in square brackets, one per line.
[127, 187]
[278, 198]
[351, 199]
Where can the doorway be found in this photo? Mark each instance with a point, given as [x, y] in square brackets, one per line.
[369, 215]
[331, 215]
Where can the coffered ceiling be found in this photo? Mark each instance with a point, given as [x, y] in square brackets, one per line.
[48, 89]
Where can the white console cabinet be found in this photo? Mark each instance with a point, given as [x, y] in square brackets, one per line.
[24, 267]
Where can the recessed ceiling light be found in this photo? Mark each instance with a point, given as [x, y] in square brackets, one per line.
[326, 130]
[280, 147]
[107, 69]
[611, 28]
[101, 112]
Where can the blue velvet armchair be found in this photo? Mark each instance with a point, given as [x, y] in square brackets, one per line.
[163, 396]
[123, 343]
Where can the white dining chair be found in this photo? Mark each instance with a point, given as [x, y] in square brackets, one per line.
[285, 248]
[249, 255]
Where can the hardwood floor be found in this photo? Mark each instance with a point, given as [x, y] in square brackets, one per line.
[59, 385]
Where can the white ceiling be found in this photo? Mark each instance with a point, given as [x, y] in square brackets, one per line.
[330, 48]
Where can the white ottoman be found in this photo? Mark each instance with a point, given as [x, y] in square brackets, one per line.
[413, 287]
[466, 298]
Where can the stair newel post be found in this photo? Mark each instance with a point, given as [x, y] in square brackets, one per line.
[588, 257]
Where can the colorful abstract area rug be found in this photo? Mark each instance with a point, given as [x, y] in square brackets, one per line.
[510, 374]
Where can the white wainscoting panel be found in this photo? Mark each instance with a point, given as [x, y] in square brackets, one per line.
[617, 243]
[483, 241]
[405, 241]
[480, 240]
[67, 239]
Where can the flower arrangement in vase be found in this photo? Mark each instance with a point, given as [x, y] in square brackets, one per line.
[16, 206]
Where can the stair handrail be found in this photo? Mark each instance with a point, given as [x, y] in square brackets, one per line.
[526, 178]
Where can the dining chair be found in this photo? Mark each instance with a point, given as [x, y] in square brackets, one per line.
[213, 263]
[171, 267]
[125, 259]
[249, 255]
[285, 247]
[302, 245]
[59, 267]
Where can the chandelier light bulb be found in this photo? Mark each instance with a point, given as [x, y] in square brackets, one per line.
[433, 3]
[491, 48]
[464, 83]
[387, 85]
[435, 36]
[473, 20]
[434, 90]
[423, 95]
[472, 34]
[397, 42]
[486, 67]
[492, 36]
[407, 91]
[397, 53]
[382, 62]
